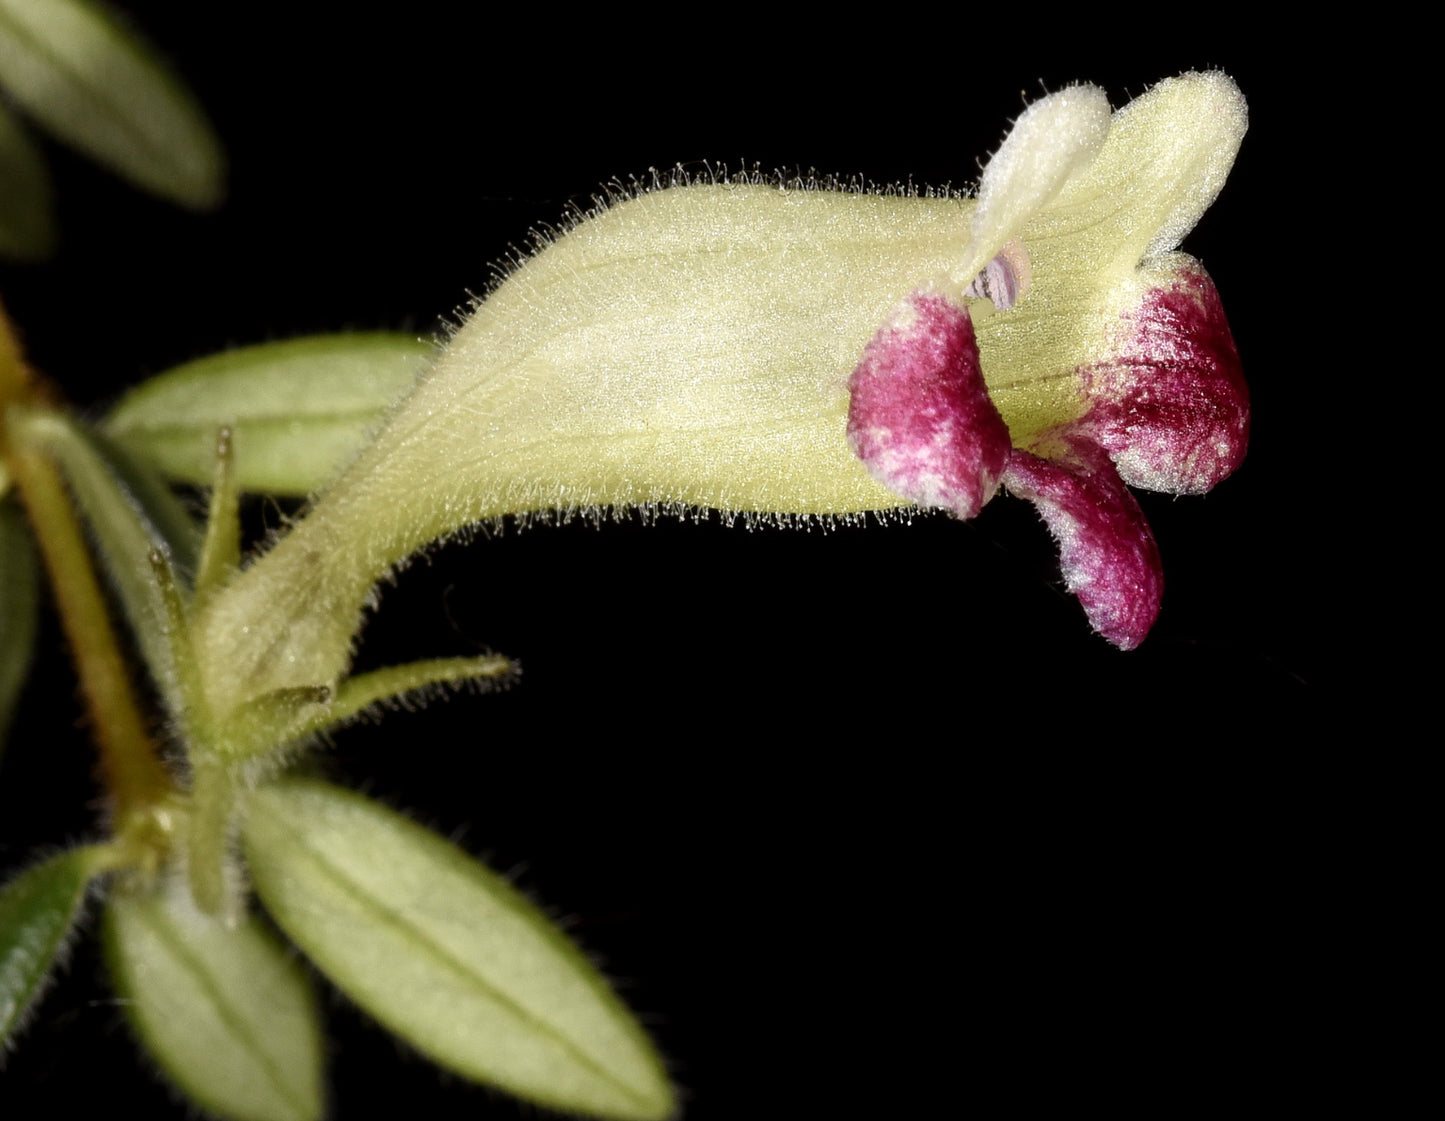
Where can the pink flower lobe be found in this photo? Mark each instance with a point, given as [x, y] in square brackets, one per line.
[919, 415]
[1172, 410]
[1106, 549]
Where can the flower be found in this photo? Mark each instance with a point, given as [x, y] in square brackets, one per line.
[1084, 354]
[749, 347]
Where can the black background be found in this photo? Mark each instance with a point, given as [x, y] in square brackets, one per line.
[861, 821]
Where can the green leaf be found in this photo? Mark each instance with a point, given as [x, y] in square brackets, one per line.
[27, 219]
[297, 410]
[447, 954]
[38, 909]
[19, 606]
[95, 86]
[228, 1015]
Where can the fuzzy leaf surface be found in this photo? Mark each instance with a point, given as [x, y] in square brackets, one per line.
[447, 954]
[298, 410]
[94, 85]
[226, 1012]
[38, 908]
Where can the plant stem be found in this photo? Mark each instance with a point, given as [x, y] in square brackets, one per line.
[127, 757]
[129, 765]
[16, 377]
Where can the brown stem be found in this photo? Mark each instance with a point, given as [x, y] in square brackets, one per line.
[129, 765]
[128, 759]
[16, 378]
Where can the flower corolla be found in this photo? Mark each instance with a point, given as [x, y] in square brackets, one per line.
[752, 347]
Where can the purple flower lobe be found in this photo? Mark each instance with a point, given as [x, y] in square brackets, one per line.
[920, 417]
[1172, 410]
[1106, 549]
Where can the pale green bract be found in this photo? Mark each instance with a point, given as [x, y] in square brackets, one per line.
[91, 83]
[38, 909]
[447, 954]
[228, 1015]
[298, 410]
